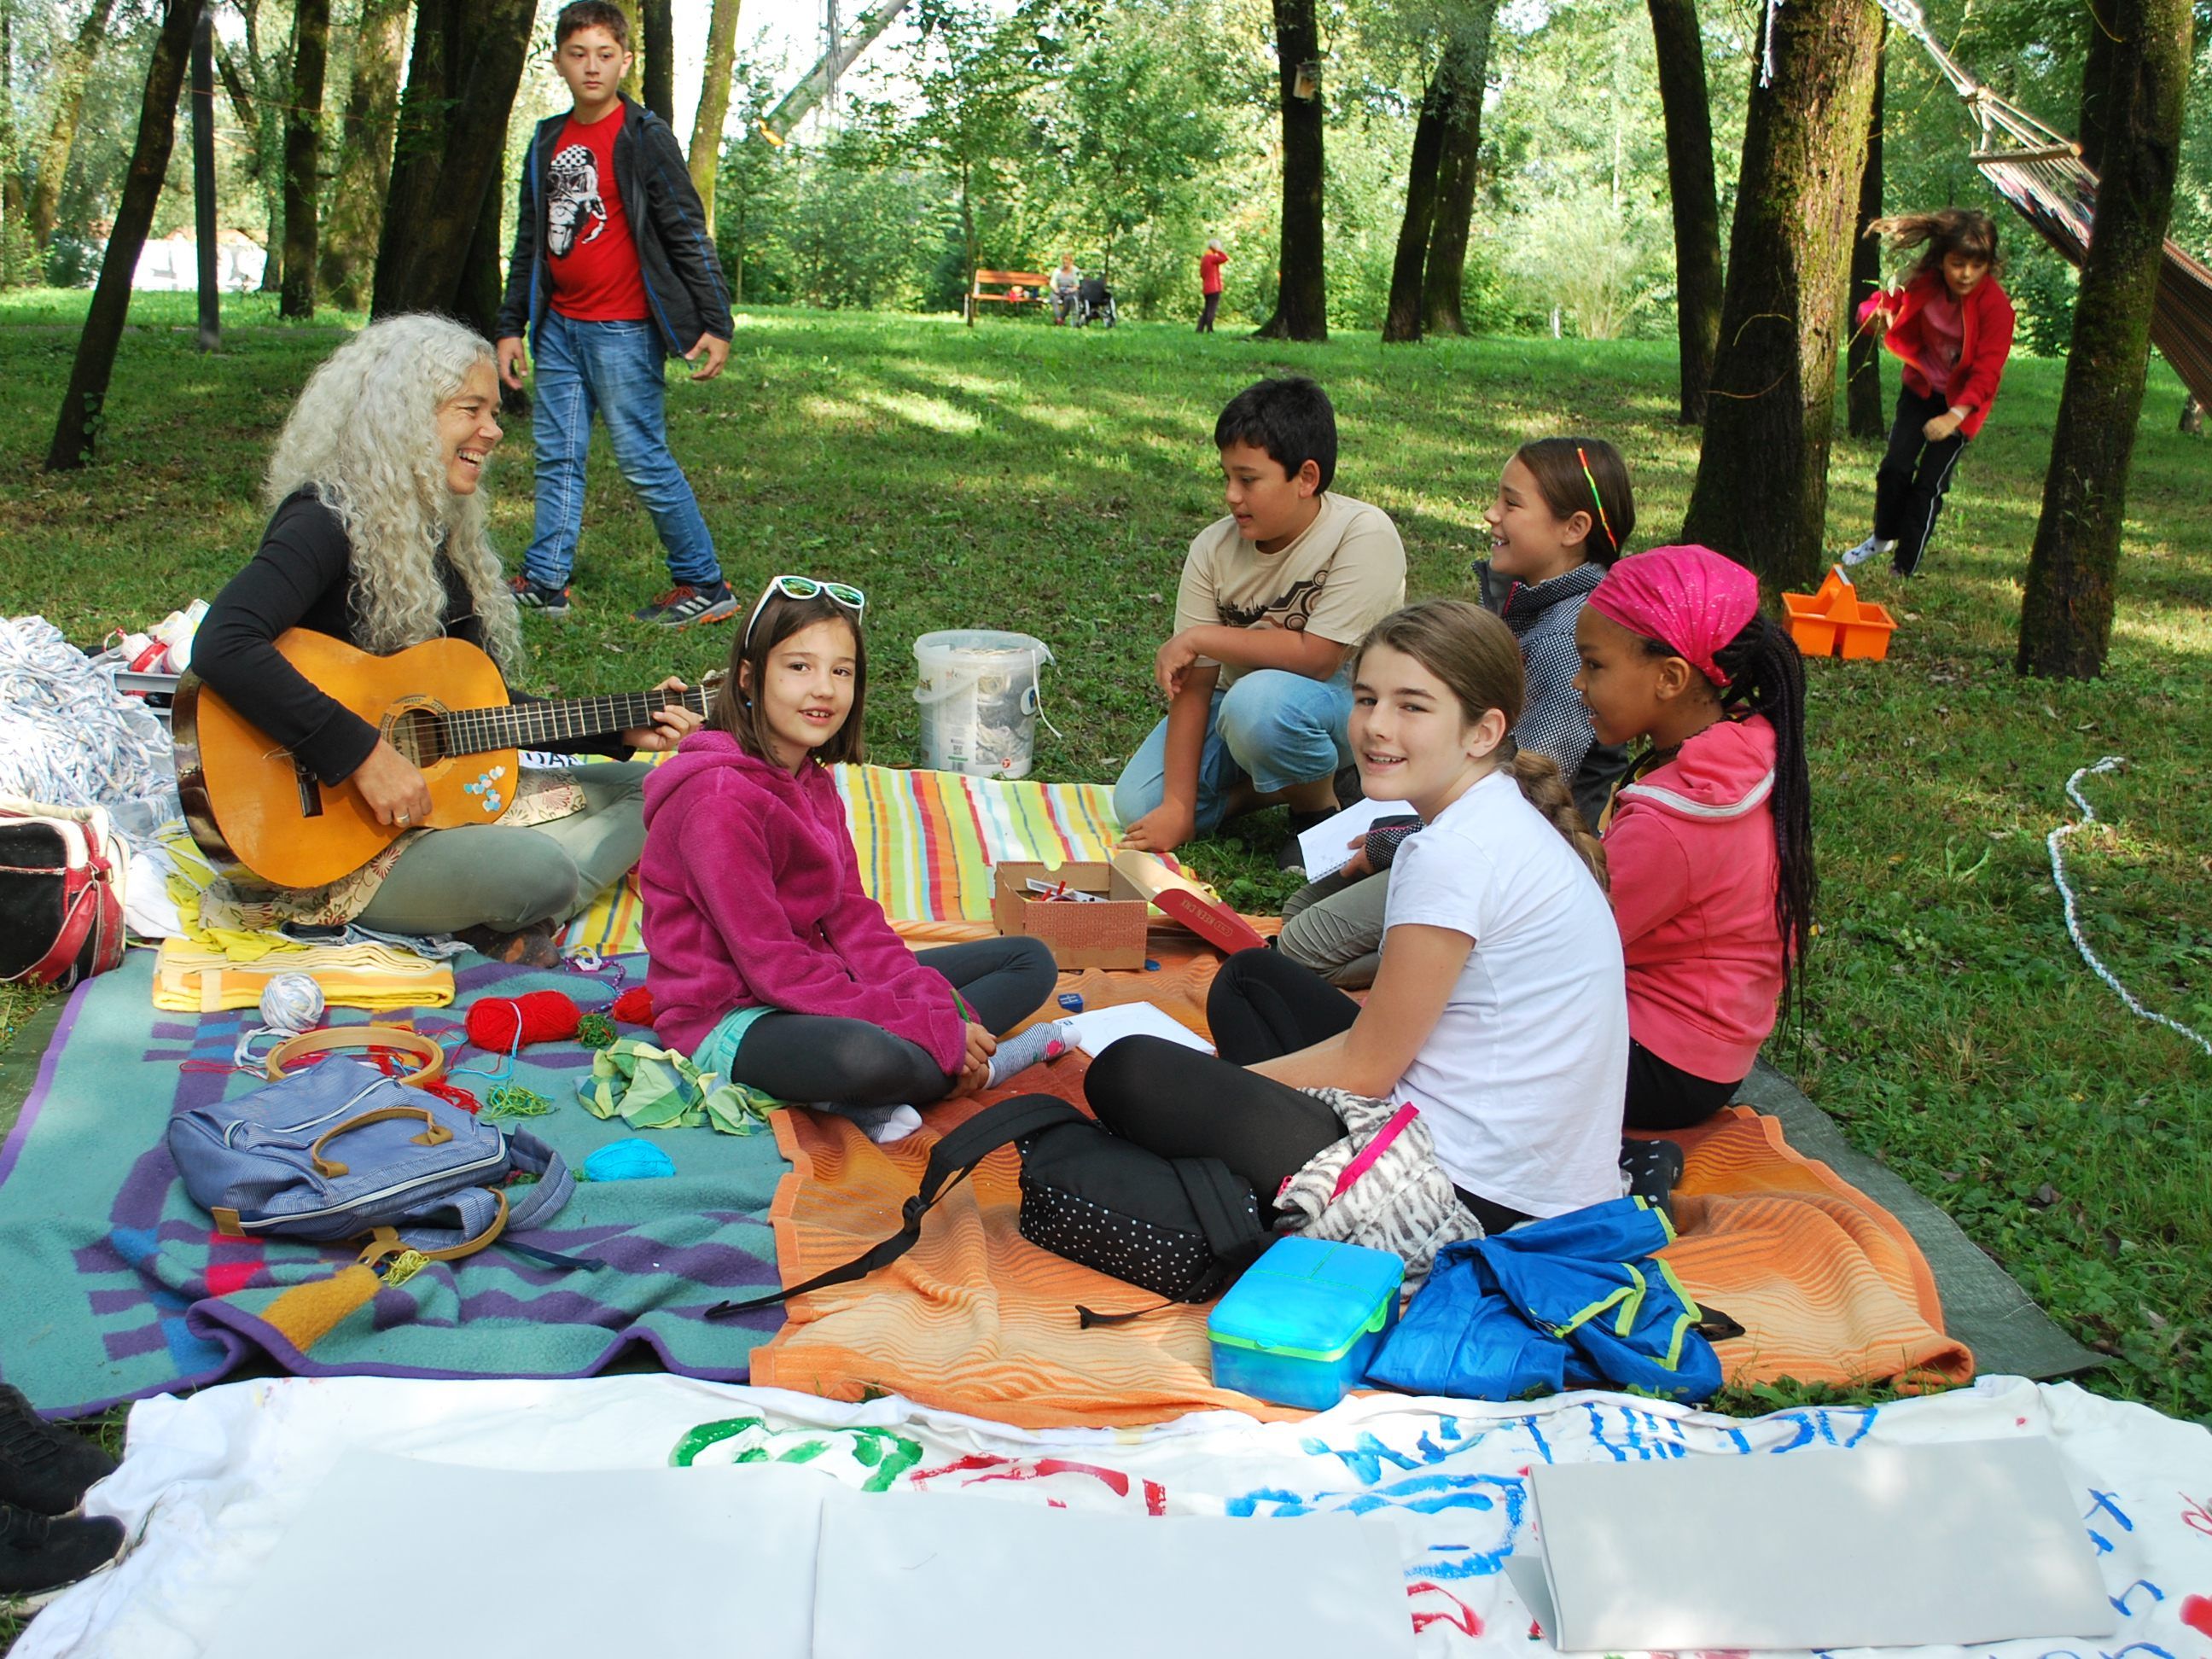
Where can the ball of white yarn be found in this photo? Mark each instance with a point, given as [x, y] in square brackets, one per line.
[291, 1004]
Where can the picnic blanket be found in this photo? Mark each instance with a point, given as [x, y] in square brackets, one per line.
[118, 1287]
[926, 841]
[212, 1482]
[1830, 1287]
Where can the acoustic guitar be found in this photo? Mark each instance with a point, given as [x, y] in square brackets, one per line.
[442, 704]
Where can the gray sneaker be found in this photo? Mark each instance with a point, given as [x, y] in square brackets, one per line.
[684, 605]
[535, 596]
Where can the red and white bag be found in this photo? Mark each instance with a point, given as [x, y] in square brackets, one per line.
[62, 869]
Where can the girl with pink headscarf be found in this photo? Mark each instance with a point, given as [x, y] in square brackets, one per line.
[1709, 841]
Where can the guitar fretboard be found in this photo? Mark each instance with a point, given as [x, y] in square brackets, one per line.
[536, 724]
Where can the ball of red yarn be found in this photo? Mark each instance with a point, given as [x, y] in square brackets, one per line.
[537, 1016]
[634, 1006]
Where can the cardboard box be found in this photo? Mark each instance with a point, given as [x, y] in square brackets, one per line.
[1107, 935]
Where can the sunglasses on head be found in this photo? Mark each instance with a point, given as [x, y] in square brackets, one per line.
[805, 587]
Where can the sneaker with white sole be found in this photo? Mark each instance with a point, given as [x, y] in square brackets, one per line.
[1869, 548]
[40, 1554]
[684, 605]
[535, 596]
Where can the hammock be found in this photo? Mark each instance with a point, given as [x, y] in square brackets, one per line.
[2042, 174]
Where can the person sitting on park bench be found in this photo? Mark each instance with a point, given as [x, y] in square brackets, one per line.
[1272, 598]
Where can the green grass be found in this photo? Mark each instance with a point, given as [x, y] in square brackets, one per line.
[1021, 476]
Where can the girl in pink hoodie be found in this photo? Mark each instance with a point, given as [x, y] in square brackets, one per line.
[1709, 841]
[768, 960]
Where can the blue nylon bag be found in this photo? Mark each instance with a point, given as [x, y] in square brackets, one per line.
[339, 1152]
[1578, 1300]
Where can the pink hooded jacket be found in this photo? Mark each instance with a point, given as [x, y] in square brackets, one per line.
[1690, 851]
[753, 899]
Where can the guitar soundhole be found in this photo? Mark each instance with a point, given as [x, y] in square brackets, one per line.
[414, 734]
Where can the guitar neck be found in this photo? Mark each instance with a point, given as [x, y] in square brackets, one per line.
[539, 725]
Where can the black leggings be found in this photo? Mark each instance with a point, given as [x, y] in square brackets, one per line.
[1664, 1097]
[1181, 1103]
[809, 1057]
[1910, 484]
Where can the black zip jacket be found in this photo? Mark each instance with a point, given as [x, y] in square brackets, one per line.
[675, 256]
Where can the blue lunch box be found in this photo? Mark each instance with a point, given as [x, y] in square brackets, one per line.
[1301, 1324]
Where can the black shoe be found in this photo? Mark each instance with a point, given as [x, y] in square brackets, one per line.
[535, 596]
[38, 1554]
[44, 1469]
[535, 946]
[1291, 858]
[1652, 1168]
[684, 605]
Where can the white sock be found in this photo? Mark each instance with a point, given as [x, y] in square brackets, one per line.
[1888, 546]
[882, 1124]
[1016, 1055]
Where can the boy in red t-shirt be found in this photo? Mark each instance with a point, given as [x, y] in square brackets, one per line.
[1209, 284]
[613, 271]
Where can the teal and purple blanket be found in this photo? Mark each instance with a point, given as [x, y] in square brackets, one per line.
[117, 1286]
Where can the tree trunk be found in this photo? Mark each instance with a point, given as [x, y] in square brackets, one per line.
[1301, 295]
[814, 86]
[70, 74]
[77, 431]
[658, 76]
[2192, 417]
[363, 173]
[303, 143]
[461, 82]
[204, 192]
[11, 178]
[1445, 279]
[1761, 492]
[2066, 620]
[1862, 364]
[633, 80]
[1679, 48]
[1402, 320]
[705, 156]
[2096, 89]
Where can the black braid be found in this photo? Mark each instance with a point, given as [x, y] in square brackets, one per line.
[1767, 675]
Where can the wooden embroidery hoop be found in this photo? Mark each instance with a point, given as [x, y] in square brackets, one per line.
[329, 1039]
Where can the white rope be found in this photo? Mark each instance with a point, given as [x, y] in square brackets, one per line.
[2110, 763]
[67, 737]
[1766, 44]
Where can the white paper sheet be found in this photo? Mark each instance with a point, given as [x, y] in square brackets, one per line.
[1095, 1028]
[926, 1577]
[397, 1556]
[1326, 848]
[1963, 1544]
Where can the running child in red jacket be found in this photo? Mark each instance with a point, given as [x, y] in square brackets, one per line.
[768, 960]
[1951, 325]
[1709, 843]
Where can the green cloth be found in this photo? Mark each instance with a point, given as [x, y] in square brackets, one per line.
[653, 1088]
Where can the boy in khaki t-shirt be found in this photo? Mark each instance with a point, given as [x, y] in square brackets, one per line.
[1272, 598]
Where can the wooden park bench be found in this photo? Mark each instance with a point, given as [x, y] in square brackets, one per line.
[1015, 287]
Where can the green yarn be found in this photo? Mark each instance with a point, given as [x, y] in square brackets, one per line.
[404, 1267]
[595, 1031]
[512, 1100]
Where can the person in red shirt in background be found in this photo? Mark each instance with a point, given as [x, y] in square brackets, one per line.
[1209, 284]
[613, 271]
[1951, 325]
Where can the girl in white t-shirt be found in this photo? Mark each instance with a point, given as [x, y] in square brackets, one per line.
[1498, 1008]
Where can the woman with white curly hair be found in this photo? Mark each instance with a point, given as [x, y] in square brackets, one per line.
[377, 537]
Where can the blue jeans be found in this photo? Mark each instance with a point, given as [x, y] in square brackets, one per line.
[1271, 728]
[615, 368]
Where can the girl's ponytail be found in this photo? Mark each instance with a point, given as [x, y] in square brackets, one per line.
[1545, 789]
[1767, 675]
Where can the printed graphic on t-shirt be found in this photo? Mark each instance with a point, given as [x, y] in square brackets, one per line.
[572, 200]
[1293, 611]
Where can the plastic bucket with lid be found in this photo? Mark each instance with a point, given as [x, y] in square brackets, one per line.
[977, 690]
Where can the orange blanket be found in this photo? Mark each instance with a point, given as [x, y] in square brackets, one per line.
[1829, 1286]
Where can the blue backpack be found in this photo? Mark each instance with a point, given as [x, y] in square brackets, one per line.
[339, 1152]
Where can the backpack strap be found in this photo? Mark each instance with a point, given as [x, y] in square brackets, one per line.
[1221, 1200]
[951, 1162]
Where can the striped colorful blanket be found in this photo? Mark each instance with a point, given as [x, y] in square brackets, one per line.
[926, 842]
